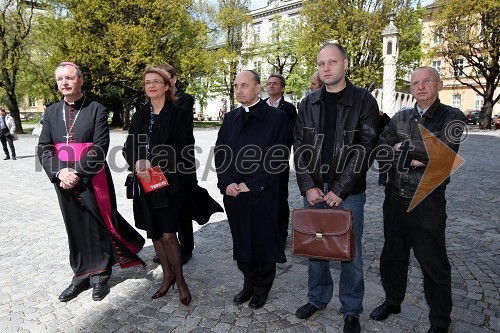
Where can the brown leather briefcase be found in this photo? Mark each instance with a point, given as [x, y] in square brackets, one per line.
[323, 234]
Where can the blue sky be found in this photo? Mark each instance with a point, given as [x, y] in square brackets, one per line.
[258, 4]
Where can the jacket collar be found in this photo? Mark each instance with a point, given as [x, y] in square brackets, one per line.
[258, 110]
[347, 97]
[281, 100]
[430, 111]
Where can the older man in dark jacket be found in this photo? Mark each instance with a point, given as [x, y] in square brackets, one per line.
[421, 226]
[336, 129]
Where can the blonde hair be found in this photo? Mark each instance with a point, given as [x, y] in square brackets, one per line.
[170, 96]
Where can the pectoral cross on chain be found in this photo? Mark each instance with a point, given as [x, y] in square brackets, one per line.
[68, 137]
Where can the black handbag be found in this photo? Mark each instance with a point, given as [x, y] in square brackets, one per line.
[131, 185]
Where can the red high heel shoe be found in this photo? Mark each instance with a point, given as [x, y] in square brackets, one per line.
[159, 293]
[185, 301]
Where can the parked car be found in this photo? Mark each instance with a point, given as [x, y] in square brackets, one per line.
[472, 117]
[496, 121]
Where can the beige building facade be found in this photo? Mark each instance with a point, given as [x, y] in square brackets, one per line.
[454, 93]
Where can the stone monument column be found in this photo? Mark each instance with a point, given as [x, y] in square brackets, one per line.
[390, 37]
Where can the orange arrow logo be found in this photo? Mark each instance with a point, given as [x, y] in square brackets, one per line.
[443, 162]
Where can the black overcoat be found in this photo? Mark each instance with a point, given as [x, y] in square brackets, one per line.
[172, 144]
[252, 151]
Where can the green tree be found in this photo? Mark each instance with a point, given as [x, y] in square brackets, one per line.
[16, 18]
[48, 47]
[281, 53]
[471, 31]
[116, 39]
[358, 25]
[231, 20]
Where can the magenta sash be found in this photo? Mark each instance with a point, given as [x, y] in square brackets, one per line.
[73, 152]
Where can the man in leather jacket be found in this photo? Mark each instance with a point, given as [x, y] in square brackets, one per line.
[421, 227]
[336, 129]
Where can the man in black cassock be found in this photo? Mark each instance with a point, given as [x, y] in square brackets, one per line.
[249, 154]
[72, 149]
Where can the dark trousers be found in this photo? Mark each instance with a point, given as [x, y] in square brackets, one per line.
[10, 140]
[99, 277]
[423, 230]
[259, 276]
[283, 209]
[186, 237]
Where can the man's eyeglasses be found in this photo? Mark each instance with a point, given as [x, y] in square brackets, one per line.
[60, 79]
[426, 82]
[152, 83]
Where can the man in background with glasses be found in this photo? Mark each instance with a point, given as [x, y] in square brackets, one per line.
[423, 226]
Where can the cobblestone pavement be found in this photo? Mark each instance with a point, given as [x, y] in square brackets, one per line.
[35, 269]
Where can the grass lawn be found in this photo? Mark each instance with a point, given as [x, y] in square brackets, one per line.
[207, 124]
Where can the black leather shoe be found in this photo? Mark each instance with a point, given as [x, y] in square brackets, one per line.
[257, 301]
[7, 158]
[351, 325]
[72, 291]
[14, 158]
[156, 260]
[383, 311]
[306, 311]
[100, 291]
[243, 296]
[185, 257]
[435, 329]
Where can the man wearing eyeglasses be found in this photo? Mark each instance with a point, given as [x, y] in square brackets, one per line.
[336, 129]
[423, 226]
[72, 149]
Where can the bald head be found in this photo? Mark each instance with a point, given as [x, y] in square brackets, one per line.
[315, 83]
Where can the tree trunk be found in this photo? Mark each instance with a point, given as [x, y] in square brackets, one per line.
[127, 103]
[487, 109]
[13, 107]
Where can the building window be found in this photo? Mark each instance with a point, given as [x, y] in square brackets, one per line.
[438, 38]
[456, 101]
[436, 64]
[478, 102]
[458, 67]
[275, 37]
[257, 67]
[256, 33]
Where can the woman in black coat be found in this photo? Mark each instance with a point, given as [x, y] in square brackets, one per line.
[160, 135]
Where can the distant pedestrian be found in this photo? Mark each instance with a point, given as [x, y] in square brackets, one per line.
[72, 149]
[7, 134]
[423, 227]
